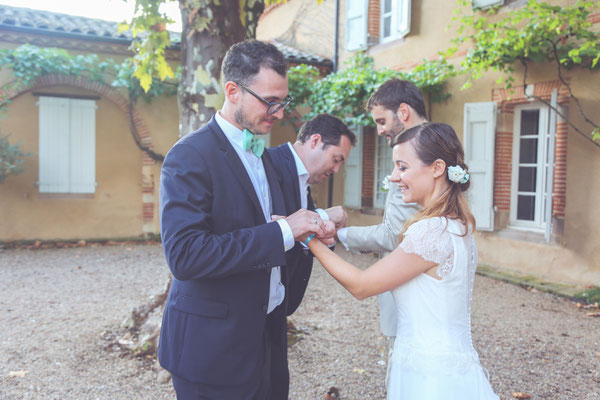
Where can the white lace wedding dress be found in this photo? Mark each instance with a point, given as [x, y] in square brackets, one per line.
[433, 357]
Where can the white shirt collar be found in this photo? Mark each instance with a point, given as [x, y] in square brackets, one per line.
[233, 133]
[302, 171]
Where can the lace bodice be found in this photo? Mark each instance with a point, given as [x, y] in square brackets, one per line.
[435, 315]
[433, 356]
[431, 240]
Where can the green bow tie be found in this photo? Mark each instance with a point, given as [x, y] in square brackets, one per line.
[252, 142]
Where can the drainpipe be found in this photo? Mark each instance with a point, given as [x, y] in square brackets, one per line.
[335, 65]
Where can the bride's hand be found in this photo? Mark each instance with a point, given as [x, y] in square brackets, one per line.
[328, 227]
[328, 236]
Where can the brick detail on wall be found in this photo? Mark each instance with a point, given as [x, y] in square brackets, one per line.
[112, 95]
[594, 18]
[503, 170]
[368, 167]
[560, 170]
[507, 100]
[374, 16]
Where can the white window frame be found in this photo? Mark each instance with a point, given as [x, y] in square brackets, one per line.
[67, 145]
[380, 173]
[400, 20]
[539, 222]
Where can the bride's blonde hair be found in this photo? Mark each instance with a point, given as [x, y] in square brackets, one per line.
[436, 141]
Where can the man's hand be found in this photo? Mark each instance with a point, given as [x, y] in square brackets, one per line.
[303, 223]
[328, 236]
[338, 216]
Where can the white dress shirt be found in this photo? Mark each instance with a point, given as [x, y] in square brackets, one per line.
[303, 176]
[256, 171]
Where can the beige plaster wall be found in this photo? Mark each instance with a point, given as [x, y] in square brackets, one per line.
[116, 207]
[162, 118]
[303, 24]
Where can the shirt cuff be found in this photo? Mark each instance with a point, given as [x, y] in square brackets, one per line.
[323, 214]
[342, 234]
[286, 232]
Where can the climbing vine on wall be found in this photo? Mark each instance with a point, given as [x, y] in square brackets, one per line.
[533, 34]
[343, 93]
[28, 62]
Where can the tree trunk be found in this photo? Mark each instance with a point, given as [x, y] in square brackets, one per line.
[208, 31]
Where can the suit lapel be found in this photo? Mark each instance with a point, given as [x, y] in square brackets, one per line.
[310, 203]
[277, 201]
[290, 163]
[239, 171]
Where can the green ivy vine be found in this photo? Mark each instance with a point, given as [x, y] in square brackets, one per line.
[11, 158]
[343, 93]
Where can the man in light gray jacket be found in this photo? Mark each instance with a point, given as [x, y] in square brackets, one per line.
[395, 106]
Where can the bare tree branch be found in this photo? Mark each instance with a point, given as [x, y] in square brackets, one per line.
[136, 138]
[547, 103]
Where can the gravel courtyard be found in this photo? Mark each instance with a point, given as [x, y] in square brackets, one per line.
[58, 305]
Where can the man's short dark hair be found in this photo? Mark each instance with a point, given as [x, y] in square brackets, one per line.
[244, 60]
[394, 92]
[329, 127]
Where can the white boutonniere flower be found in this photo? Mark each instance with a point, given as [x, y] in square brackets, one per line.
[385, 184]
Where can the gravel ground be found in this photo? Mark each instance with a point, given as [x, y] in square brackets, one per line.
[58, 305]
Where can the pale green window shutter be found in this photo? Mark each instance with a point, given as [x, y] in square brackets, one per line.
[54, 162]
[67, 145]
[479, 144]
[384, 166]
[83, 146]
[356, 24]
[403, 21]
[353, 174]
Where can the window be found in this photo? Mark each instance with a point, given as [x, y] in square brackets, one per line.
[383, 167]
[395, 19]
[67, 140]
[530, 167]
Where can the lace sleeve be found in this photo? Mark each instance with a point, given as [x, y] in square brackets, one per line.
[430, 239]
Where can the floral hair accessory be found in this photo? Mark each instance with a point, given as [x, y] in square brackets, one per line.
[385, 184]
[457, 174]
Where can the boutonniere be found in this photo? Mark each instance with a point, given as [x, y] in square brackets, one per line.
[385, 184]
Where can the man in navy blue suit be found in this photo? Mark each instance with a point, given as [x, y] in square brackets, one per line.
[322, 146]
[223, 334]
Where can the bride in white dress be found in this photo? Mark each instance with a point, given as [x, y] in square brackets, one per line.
[430, 273]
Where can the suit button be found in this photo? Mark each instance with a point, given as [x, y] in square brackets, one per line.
[265, 307]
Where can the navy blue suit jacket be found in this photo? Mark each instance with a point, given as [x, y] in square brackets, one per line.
[220, 251]
[299, 260]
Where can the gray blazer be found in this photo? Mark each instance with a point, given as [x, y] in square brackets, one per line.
[382, 239]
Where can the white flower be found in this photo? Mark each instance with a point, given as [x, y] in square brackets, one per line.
[385, 183]
[457, 174]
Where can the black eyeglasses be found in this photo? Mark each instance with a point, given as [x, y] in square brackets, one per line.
[272, 107]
